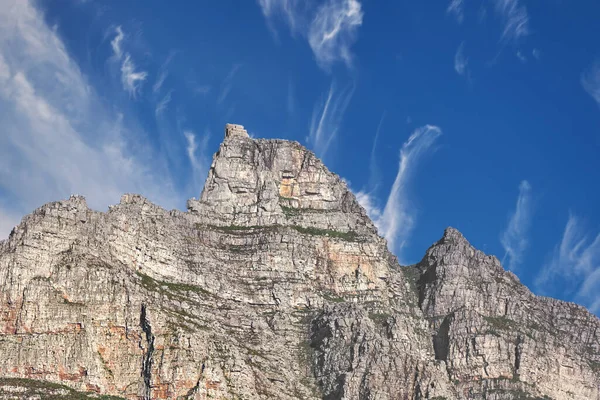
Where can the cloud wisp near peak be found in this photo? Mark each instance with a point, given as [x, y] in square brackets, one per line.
[515, 239]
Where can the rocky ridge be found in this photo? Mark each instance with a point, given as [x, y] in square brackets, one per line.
[274, 284]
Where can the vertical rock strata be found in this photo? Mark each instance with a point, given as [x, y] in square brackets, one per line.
[274, 284]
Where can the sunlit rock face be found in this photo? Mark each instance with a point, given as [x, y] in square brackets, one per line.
[274, 284]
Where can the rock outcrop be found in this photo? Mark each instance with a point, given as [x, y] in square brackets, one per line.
[274, 284]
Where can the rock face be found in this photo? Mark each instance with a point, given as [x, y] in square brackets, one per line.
[274, 284]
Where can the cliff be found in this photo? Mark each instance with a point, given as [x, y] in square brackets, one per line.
[274, 284]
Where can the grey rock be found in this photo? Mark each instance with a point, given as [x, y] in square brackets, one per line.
[274, 284]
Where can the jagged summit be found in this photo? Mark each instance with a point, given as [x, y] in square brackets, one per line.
[274, 285]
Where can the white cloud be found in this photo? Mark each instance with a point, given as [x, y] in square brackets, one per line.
[159, 81]
[330, 29]
[333, 31]
[536, 53]
[286, 8]
[327, 118]
[197, 155]
[366, 197]
[130, 78]
[397, 219]
[460, 61]
[163, 73]
[369, 203]
[515, 19]
[291, 100]
[521, 56]
[590, 80]
[575, 263]
[514, 238]
[512, 13]
[456, 7]
[162, 104]
[227, 83]
[117, 42]
[58, 137]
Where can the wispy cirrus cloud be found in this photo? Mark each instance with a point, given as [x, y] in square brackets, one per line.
[515, 238]
[330, 28]
[288, 9]
[58, 136]
[116, 43]
[163, 73]
[367, 197]
[196, 151]
[227, 83]
[162, 105]
[575, 263]
[327, 118]
[398, 217]
[460, 60]
[512, 13]
[590, 80]
[333, 31]
[514, 17]
[131, 79]
[457, 9]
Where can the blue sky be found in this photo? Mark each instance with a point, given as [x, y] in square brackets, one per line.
[482, 115]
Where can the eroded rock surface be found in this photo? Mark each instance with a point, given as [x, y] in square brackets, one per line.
[274, 284]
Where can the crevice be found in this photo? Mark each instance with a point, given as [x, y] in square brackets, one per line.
[19, 313]
[518, 356]
[427, 277]
[147, 360]
[441, 340]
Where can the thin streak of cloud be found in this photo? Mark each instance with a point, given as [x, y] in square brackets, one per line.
[159, 81]
[291, 100]
[196, 151]
[590, 80]
[131, 79]
[163, 73]
[333, 31]
[162, 104]
[515, 238]
[575, 263]
[331, 28]
[460, 60]
[513, 15]
[456, 8]
[398, 218]
[515, 19]
[227, 84]
[116, 43]
[327, 118]
[367, 197]
[374, 175]
[289, 9]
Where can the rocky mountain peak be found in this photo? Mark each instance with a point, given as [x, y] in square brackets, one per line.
[274, 285]
[276, 182]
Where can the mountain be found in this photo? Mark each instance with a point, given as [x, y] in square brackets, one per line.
[274, 284]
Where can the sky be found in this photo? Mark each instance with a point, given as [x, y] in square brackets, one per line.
[481, 115]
